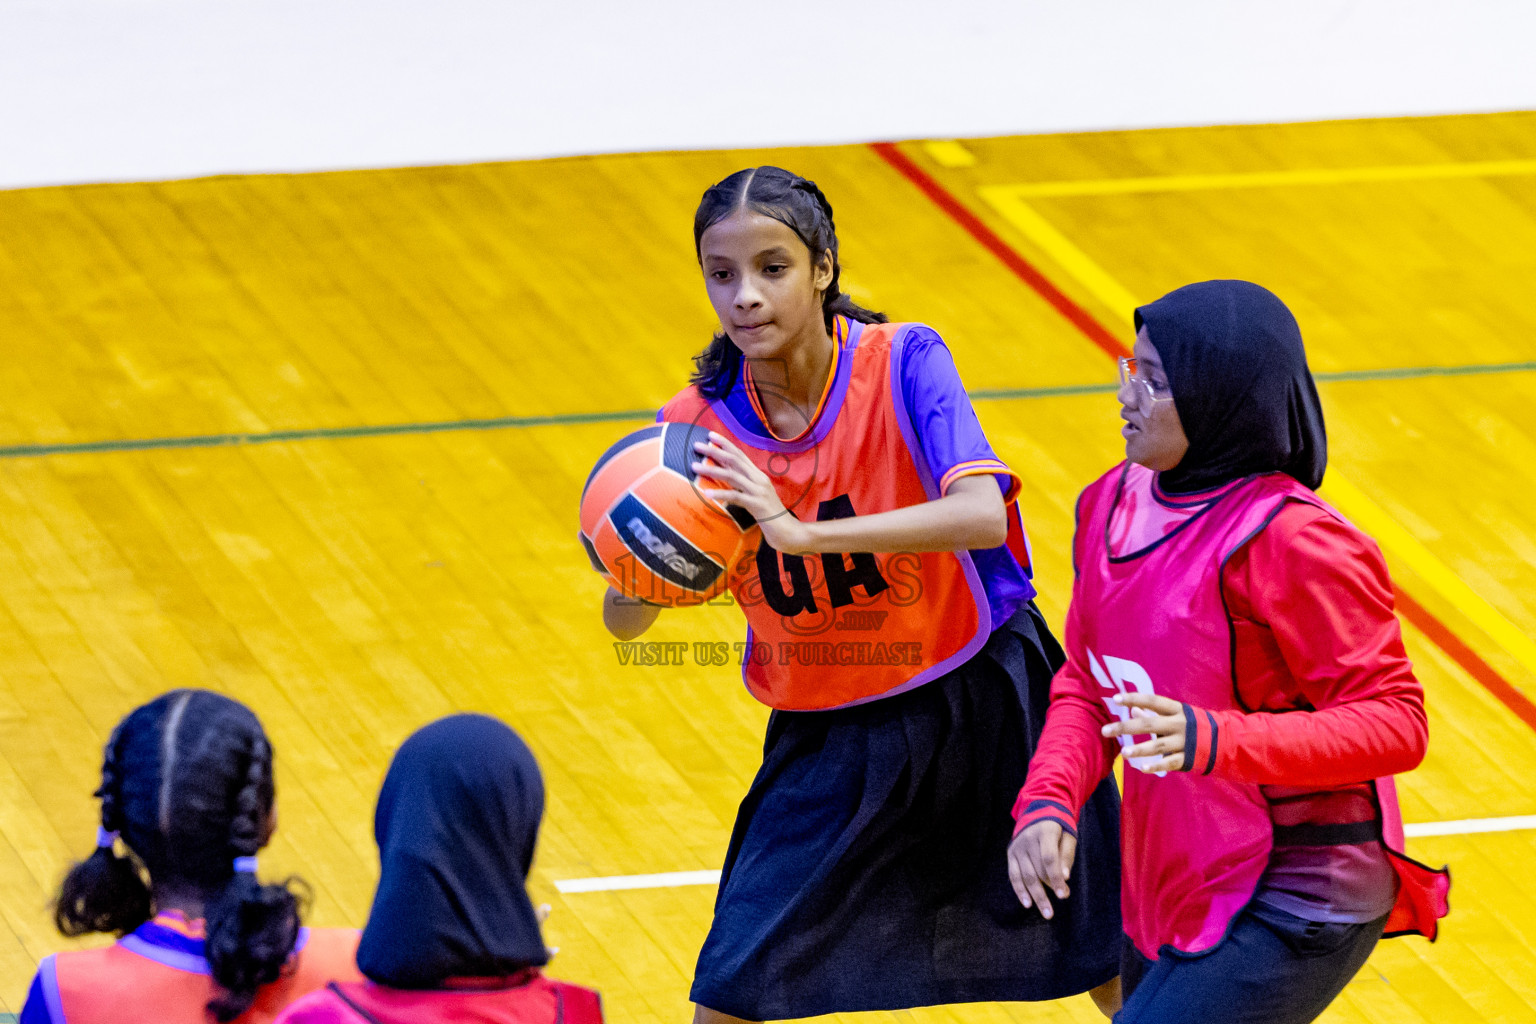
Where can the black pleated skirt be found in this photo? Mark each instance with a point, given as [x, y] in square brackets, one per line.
[868, 866]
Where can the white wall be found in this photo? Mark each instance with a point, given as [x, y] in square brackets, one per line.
[96, 90]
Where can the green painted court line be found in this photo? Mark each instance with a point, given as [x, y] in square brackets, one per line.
[1003, 394]
[19, 451]
[1410, 372]
[24, 451]
[1387, 373]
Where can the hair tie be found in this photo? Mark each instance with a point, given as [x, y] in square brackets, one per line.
[104, 838]
[245, 865]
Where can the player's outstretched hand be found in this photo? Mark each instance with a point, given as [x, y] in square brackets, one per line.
[1039, 863]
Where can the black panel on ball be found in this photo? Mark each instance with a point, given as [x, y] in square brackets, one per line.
[662, 549]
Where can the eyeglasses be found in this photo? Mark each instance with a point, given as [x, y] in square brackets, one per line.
[1130, 373]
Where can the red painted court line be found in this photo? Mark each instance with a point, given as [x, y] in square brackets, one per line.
[1466, 657]
[1026, 271]
[1439, 634]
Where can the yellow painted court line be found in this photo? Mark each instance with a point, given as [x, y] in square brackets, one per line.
[1390, 534]
[949, 153]
[1348, 498]
[1006, 201]
[1260, 179]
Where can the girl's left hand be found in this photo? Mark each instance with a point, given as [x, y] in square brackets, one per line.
[1161, 717]
[749, 487]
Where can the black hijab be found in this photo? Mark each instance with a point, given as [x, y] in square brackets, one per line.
[1240, 383]
[456, 825]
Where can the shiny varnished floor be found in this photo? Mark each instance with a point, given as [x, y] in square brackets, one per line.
[351, 588]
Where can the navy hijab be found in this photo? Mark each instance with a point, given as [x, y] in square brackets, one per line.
[456, 825]
[1235, 363]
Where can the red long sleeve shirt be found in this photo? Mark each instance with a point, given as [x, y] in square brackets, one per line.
[1317, 593]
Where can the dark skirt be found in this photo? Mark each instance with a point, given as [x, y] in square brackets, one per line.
[868, 866]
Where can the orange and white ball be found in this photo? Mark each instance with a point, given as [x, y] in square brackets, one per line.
[650, 531]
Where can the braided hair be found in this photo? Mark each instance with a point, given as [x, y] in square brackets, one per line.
[186, 781]
[800, 205]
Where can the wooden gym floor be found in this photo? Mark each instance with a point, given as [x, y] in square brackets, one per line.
[234, 455]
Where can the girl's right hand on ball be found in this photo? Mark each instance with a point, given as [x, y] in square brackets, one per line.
[740, 482]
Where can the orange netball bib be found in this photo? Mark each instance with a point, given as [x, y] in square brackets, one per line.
[832, 630]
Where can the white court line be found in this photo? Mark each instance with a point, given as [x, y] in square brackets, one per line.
[664, 880]
[1470, 825]
[670, 879]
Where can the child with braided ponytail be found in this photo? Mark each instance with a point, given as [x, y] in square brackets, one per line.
[894, 633]
[187, 790]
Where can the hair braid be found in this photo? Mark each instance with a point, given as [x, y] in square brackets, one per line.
[825, 205]
[104, 892]
[107, 792]
[822, 240]
[252, 800]
[252, 928]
